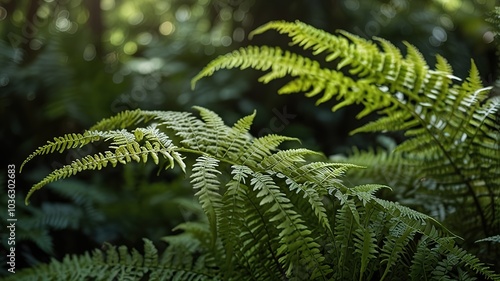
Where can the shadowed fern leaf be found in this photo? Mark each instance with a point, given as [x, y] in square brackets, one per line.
[118, 263]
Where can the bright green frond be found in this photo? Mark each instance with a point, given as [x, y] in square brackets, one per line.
[66, 142]
[121, 120]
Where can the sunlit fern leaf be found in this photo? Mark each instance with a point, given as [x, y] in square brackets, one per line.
[125, 149]
[213, 123]
[326, 174]
[66, 142]
[262, 147]
[285, 160]
[239, 137]
[318, 79]
[366, 192]
[121, 120]
[184, 124]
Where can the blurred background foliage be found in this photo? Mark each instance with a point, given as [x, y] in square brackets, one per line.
[66, 64]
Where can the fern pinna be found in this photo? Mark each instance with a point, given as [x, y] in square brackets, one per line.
[271, 214]
[451, 158]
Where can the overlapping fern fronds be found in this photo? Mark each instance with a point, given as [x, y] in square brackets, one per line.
[271, 214]
[120, 263]
[453, 134]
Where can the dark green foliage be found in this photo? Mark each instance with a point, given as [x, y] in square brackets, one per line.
[120, 263]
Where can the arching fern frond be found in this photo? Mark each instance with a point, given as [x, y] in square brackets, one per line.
[126, 149]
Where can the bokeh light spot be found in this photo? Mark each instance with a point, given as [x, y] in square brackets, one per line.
[89, 53]
[144, 38]
[226, 14]
[136, 18]
[352, 5]
[3, 13]
[162, 7]
[439, 33]
[451, 5]
[446, 21]
[117, 37]
[167, 28]
[239, 15]
[43, 12]
[18, 16]
[107, 5]
[488, 37]
[35, 44]
[197, 11]
[183, 13]
[226, 41]
[238, 34]
[130, 48]
[63, 24]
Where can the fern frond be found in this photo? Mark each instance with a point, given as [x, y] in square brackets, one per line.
[126, 149]
[267, 210]
[204, 180]
[120, 264]
[297, 246]
[122, 120]
[424, 261]
[366, 245]
[233, 216]
[314, 198]
[65, 142]
[310, 76]
[494, 239]
[394, 245]
[451, 124]
[345, 227]
[263, 147]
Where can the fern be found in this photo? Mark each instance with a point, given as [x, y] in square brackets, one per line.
[274, 214]
[451, 124]
[204, 178]
[118, 263]
[256, 222]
